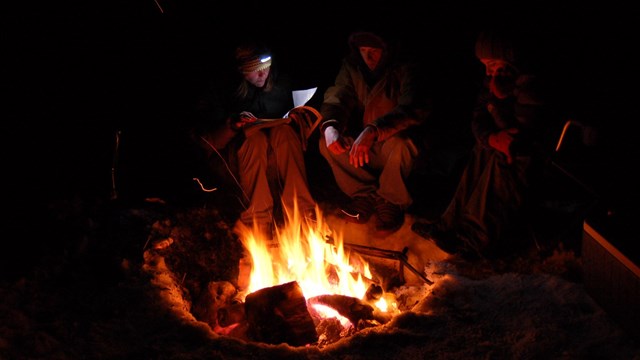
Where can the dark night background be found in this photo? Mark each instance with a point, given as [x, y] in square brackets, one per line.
[80, 275]
[78, 73]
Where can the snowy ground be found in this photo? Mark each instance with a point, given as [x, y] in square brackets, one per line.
[100, 302]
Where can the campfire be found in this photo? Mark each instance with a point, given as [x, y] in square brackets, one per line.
[300, 251]
[303, 286]
[301, 278]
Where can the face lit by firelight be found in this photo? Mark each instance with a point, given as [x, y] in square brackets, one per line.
[371, 56]
[257, 78]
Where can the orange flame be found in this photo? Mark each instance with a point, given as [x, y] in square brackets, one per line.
[300, 252]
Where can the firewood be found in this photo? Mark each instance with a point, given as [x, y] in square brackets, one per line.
[279, 314]
[355, 310]
[352, 308]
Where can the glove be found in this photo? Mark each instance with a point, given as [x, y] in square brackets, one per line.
[502, 140]
[336, 143]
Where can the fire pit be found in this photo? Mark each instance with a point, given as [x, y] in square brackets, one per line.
[305, 286]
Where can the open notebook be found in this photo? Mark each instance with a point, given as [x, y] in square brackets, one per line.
[303, 118]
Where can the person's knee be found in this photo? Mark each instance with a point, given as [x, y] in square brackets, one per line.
[283, 133]
[399, 148]
[397, 141]
[256, 142]
[285, 140]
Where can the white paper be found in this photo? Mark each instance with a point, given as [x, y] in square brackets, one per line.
[301, 97]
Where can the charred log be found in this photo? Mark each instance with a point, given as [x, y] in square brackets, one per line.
[279, 314]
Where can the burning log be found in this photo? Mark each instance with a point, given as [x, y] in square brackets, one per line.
[349, 307]
[279, 314]
[352, 308]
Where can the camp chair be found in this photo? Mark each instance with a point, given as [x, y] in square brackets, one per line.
[565, 198]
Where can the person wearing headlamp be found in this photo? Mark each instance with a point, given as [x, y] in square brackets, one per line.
[265, 168]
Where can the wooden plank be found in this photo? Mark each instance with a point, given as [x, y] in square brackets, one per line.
[612, 280]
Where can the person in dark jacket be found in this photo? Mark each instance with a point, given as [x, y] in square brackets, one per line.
[514, 122]
[370, 114]
[262, 168]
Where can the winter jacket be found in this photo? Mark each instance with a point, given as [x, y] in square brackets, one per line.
[391, 98]
[529, 110]
[218, 107]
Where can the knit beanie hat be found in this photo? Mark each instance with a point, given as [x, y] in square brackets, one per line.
[367, 39]
[250, 58]
[491, 45]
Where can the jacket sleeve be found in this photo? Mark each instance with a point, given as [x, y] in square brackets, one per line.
[529, 110]
[483, 123]
[213, 127]
[220, 136]
[339, 101]
[414, 104]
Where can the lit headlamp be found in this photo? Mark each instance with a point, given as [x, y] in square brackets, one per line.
[255, 63]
